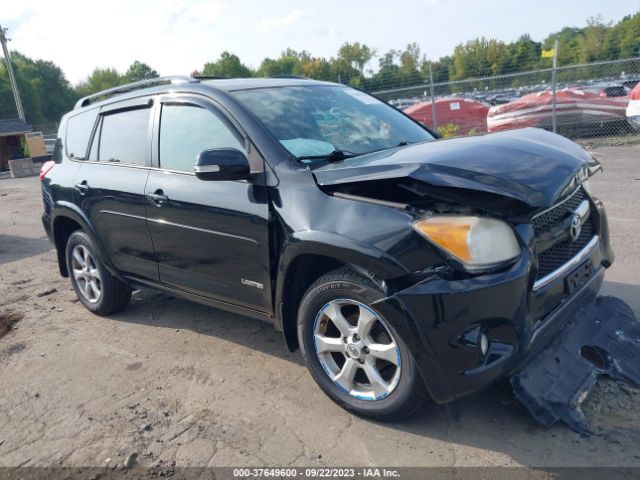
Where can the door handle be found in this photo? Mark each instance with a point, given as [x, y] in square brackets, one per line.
[158, 197]
[82, 187]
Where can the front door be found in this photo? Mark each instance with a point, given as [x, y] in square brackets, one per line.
[210, 237]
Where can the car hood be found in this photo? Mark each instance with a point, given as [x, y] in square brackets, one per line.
[531, 165]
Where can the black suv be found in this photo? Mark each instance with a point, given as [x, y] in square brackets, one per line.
[404, 267]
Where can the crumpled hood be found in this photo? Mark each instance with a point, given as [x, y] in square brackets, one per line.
[531, 165]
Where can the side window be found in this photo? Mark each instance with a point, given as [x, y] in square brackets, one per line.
[123, 137]
[79, 129]
[187, 130]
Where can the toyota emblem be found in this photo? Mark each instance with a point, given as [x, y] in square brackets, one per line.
[576, 227]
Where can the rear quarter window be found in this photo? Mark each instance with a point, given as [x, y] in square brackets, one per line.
[79, 128]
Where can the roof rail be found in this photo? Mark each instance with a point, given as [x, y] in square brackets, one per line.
[290, 75]
[211, 77]
[129, 87]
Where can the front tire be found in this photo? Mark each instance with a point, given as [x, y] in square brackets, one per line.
[353, 352]
[98, 290]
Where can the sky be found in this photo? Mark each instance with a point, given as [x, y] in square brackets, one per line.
[178, 36]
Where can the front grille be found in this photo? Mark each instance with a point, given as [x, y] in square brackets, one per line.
[560, 253]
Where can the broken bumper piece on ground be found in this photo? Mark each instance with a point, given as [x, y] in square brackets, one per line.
[602, 339]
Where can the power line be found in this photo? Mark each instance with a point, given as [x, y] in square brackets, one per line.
[12, 78]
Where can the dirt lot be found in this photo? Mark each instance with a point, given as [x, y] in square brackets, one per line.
[175, 381]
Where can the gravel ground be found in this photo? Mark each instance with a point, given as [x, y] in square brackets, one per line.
[169, 381]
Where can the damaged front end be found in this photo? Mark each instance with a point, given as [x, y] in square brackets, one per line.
[527, 316]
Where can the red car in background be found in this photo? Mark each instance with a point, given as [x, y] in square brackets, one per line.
[587, 109]
[633, 109]
[455, 116]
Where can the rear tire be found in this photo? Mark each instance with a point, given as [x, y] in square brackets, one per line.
[98, 290]
[352, 351]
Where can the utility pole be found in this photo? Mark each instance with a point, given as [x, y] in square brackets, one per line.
[554, 123]
[12, 78]
[433, 99]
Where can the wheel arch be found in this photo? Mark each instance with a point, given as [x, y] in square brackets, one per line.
[67, 219]
[304, 261]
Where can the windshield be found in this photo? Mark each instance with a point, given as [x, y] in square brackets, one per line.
[311, 122]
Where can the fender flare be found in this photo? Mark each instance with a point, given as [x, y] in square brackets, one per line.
[359, 256]
[363, 258]
[64, 209]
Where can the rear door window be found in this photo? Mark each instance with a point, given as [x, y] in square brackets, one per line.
[123, 137]
[79, 128]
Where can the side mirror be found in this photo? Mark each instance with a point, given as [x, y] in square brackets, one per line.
[222, 164]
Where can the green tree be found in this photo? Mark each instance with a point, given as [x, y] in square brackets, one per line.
[524, 54]
[26, 77]
[139, 71]
[629, 29]
[623, 40]
[412, 63]
[356, 55]
[569, 45]
[100, 79]
[45, 92]
[497, 55]
[442, 69]
[476, 58]
[57, 96]
[290, 62]
[389, 74]
[228, 65]
[412, 59]
[593, 41]
[349, 64]
[270, 68]
[318, 69]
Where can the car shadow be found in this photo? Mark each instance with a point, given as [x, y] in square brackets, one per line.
[628, 292]
[159, 310]
[491, 420]
[13, 247]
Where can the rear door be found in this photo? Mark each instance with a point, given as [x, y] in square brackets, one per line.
[110, 185]
[211, 237]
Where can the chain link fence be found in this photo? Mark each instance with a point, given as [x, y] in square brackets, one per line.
[585, 101]
[48, 129]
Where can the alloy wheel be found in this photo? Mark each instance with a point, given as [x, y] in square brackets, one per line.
[86, 274]
[357, 350]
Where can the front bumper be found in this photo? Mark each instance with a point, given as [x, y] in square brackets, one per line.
[518, 315]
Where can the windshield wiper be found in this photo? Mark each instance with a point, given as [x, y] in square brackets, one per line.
[335, 156]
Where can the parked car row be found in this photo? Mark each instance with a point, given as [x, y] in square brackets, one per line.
[579, 110]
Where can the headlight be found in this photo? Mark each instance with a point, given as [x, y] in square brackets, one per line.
[479, 243]
[587, 187]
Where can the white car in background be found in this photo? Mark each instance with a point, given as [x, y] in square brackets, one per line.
[633, 109]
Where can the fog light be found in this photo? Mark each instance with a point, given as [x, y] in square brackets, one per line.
[484, 344]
